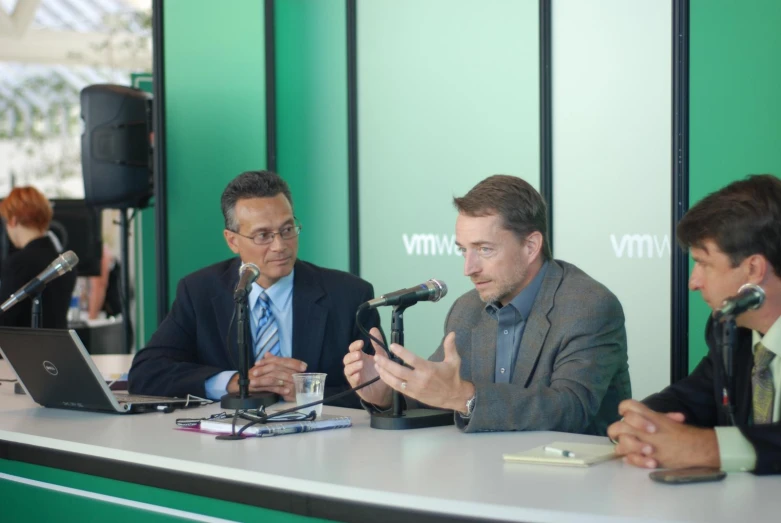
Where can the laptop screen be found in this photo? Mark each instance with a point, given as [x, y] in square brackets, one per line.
[55, 368]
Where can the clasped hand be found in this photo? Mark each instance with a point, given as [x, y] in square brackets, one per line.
[272, 374]
[651, 439]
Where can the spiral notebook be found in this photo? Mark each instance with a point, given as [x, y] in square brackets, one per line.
[581, 454]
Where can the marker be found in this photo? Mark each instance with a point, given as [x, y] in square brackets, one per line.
[560, 452]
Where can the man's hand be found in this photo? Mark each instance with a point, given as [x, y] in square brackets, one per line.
[436, 384]
[650, 439]
[271, 374]
[359, 368]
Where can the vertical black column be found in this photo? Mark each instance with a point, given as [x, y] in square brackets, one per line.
[679, 320]
[159, 160]
[546, 114]
[352, 137]
[271, 87]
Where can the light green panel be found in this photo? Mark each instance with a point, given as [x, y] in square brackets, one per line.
[447, 95]
[215, 120]
[611, 69]
[311, 79]
[24, 502]
[735, 107]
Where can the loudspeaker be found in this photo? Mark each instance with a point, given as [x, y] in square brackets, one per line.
[78, 228]
[116, 150]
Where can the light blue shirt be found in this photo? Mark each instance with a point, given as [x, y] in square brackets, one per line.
[281, 304]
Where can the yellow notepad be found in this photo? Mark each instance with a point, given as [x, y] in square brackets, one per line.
[585, 454]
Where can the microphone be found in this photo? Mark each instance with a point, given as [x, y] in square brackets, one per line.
[749, 297]
[62, 264]
[432, 290]
[248, 272]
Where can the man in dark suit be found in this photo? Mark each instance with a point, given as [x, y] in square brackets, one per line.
[537, 345]
[302, 315]
[734, 236]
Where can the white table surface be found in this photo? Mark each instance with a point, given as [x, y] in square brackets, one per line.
[440, 469]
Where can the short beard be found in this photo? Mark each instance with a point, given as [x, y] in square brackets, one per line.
[506, 288]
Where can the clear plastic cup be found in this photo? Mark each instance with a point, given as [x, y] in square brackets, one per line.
[310, 387]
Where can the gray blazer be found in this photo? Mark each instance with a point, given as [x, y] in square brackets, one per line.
[571, 371]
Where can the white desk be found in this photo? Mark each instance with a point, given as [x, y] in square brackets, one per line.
[436, 470]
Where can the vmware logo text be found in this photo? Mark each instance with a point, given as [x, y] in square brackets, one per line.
[430, 244]
[641, 245]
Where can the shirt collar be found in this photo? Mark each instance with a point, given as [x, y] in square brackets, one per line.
[279, 294]
[525, 299]
[772, 338]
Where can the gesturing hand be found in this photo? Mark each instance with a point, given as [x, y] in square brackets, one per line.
[438, 384]
[359, 368]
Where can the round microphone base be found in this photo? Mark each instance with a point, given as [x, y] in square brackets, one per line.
[412, 419]
[253, 401]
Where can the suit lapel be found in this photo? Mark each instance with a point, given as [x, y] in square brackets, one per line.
[309, 316]
[537, 325]
[223, 305]
[483, 351]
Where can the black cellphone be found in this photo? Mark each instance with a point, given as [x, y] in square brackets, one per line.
[691, 475]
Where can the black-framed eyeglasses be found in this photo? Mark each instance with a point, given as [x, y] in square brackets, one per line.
[288, 232]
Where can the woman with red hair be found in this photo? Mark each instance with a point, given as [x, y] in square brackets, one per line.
[26, 214]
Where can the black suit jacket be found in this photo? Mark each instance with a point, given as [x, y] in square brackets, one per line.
[189, 346]
[21, 267]
[699, 397]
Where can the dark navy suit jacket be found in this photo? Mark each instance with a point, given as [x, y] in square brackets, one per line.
[699, 397]
[189, 346]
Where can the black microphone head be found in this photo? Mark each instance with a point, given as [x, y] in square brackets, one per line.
[254, 270]
[754, 295]
[749, 297]
[438, 289]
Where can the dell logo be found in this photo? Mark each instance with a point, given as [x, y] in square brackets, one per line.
[50, 368]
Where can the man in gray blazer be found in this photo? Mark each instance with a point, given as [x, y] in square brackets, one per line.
[537, 345]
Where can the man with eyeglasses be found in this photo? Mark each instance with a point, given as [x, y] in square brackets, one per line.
[537, 345]
[302, 317]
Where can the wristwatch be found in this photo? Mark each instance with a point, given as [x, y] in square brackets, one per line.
[470, 406]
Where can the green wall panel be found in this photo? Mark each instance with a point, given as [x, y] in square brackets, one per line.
[145, 243]
[735, 107]
[311, 81]
[22, 502]
[215, 120]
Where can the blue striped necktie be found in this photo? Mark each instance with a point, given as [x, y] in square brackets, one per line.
[267, 331]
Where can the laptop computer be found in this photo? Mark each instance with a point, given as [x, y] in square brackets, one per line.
[57, 371]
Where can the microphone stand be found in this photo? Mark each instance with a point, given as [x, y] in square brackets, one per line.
[398, 418]
[244, 399]
[35, 323]
[37, 311]
[727, 347]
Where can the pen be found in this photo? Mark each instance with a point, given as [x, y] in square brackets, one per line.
[560, 452]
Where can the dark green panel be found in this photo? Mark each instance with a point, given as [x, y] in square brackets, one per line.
[735, 115]
[215, 119]
[145, 253]
[311, 74]
[22, 502]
